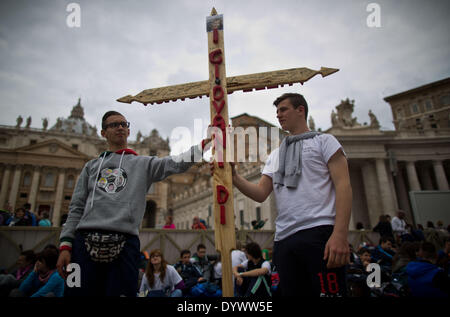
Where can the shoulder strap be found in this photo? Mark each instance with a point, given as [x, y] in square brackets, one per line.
[258, 283]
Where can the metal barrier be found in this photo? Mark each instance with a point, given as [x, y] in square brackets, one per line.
[14, 240]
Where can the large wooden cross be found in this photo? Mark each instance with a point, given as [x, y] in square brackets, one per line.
[217, 88]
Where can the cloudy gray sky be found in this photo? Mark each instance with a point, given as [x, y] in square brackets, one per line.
[124, 47]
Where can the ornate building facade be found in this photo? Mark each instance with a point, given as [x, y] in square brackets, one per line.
[41, 166]
[384, 166]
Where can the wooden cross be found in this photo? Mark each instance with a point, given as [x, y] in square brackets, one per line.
[217, 88]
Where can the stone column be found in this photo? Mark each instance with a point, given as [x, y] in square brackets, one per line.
[371, 190]
[413, 181]
[425, 176]
[402, 193]
[439, 172]
[5, 185]
[15, 186]
[34, 188]
[56, 218]
[386, 192]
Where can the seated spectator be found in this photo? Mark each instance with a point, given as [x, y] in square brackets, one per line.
[405, 254]
[384, 227]
[383, 254]
[4, 216]
[25, 265]
[160, 278]
[191, 274]
[45, 222]
[203, 262]
[198, 224]
[19, 219]
[44, 280]
[169, 223]
[357, 274]
[30, 214]
[255, 276]
[425, 278]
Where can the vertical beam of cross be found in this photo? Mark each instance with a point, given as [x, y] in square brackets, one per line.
[225, 236]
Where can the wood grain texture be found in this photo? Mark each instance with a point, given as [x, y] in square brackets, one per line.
[258, 81]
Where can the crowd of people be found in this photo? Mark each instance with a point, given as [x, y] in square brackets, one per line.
[411, 265]
[23, 216]
[413, 261]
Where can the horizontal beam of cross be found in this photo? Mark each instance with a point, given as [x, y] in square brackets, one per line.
[245, 83]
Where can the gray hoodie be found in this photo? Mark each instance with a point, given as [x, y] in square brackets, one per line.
[110, 192]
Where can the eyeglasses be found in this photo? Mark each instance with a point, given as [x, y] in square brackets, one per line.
[115, 125]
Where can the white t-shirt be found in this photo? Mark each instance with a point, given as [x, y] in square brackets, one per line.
[398, 225]
[218, 270]
[265, 264]
[171, 279]
[312, 203]
[237, 257]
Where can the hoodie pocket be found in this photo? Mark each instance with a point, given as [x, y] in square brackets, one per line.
[108, 214]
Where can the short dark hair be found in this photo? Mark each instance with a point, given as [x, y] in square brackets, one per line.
[296, 100]
[109, 114]
[385, 239]
[183, 252]
[254, 250]
[29, 255]
[201, 246]
[27, 206]
[49, 256]
[362, 251]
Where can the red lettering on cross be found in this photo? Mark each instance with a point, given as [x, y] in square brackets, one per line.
[215, 56]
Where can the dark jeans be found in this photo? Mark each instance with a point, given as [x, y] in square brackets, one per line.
[117, 278]
[300, 265]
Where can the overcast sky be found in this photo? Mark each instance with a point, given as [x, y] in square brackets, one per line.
[124, 47]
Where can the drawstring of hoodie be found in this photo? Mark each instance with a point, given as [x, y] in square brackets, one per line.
[121, 157]
[96, 179]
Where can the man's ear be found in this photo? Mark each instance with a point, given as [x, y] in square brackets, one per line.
[103, 133]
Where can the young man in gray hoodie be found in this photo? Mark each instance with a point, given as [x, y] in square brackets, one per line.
[107, 208]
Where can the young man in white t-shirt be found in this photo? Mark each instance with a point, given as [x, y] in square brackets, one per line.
[313, 196]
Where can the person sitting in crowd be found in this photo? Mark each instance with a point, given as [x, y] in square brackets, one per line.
[384, 253]
[191, 274]
[357, 274]
[198, 224]
[253, 277]
[425, 278]
[169, 223]
[45, 222]
[29, 213]
[203, 262]
[25, 265]
[44, 280]
[20, 218]
[160, 278]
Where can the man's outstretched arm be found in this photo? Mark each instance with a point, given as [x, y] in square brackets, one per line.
[258, 192]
